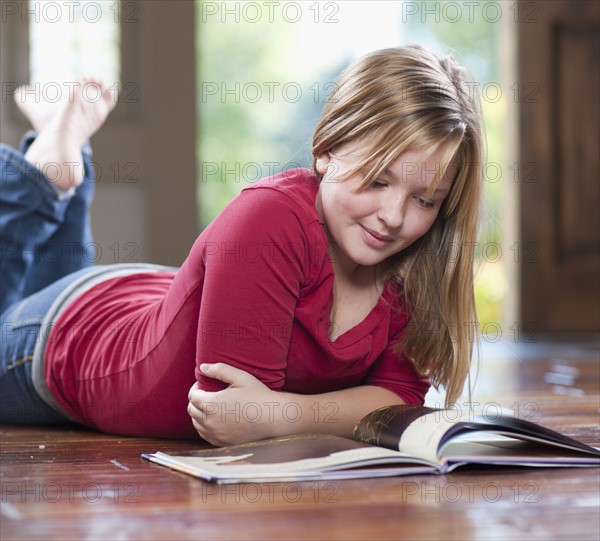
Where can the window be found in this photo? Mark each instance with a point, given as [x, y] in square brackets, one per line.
[70, 39]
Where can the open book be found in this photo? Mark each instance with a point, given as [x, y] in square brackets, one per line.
[394, 440]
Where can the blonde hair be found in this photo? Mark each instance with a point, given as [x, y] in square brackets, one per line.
[404, 98]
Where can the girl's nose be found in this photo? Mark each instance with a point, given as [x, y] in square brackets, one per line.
[391, 212]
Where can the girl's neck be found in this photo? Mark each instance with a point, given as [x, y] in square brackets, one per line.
[349, 273]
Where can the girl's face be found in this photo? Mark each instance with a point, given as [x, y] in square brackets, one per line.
[367, 226]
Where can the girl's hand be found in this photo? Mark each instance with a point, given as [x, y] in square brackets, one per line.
[238, 414]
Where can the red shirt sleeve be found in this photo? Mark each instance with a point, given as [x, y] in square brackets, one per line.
[256, 257]
[396, 373]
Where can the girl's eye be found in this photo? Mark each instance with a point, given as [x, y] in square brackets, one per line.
[378, 184]
[425, 203]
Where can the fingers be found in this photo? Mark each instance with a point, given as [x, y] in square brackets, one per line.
[204, 433]
[200, 404]
[226, 373]
[199, 419]
[193, 390]
[193, 411]
[211, 411]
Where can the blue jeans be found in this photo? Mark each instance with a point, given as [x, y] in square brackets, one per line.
[43, 240]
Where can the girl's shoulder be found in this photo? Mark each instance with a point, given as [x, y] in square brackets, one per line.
[279, 209]
[298, 186]
[275, 213]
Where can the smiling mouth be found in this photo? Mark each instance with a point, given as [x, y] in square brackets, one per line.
[378, 236]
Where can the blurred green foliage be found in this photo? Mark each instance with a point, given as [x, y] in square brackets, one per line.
[256, 111]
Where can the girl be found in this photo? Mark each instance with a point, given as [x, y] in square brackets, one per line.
[314, 298]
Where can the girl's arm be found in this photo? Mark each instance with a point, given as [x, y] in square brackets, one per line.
[247, 410]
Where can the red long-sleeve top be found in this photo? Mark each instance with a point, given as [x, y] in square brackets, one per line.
[255, 292]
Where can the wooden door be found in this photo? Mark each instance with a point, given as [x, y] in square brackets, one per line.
[558, 57]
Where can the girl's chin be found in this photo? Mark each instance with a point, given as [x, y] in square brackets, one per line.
[363, 255]
[369, 260]
[372, 259]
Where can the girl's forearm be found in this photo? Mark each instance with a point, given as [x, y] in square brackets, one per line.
[247, 410]
[336, 412]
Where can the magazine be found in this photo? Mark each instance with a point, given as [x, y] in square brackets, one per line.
[394, 440]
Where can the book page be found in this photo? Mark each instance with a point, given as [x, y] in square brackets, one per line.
[381, 468]
[241, 467]
[498, 449]
[292, 457]
[423, 436]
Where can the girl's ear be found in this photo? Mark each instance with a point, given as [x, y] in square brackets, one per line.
[322, 162]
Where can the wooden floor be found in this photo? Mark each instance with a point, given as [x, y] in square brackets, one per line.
[76, 484]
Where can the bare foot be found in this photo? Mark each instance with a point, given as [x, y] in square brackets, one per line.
[34, 105]
[56, 151]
